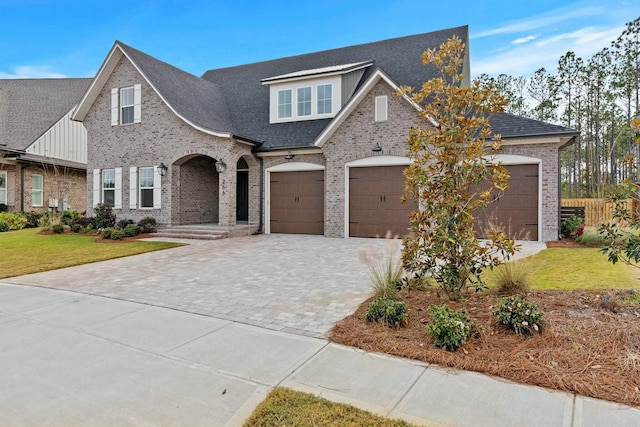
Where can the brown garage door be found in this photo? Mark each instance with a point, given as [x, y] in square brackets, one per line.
[374, 202]
[297, 202]
[516, 212]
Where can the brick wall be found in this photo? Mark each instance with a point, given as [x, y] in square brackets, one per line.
[161, 137]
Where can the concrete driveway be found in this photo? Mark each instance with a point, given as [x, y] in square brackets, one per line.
[290, 283]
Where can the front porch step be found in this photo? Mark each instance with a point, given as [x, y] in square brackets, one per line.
[204, 232]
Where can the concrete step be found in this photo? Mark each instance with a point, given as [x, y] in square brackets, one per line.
[178, 235]
[193, 232]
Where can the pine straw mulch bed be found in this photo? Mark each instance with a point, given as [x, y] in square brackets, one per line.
[589, 345]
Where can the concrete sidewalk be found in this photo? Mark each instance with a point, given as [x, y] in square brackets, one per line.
[75, 359]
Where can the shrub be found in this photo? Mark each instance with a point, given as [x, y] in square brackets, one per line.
[104, 216]
[569, 227]
[124, 222]
[512, 277]
[85, 222]
[3, 207]
[117, 234]
[14, 220]
[449, 328]
[106, 232]
[385, 267]
[4, 226]
[392, 313]
[76, 228]
[69, 217]
[147, 225]
[130, 230]
[520, 315]
[57, 228]
[33, 219]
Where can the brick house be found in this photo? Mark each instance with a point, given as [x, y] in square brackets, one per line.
[312, 144]
[43, 154]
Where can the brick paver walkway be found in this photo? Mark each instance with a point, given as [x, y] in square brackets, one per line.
[292, 283]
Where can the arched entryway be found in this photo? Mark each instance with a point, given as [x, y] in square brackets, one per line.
[242, 191]
[199, 193]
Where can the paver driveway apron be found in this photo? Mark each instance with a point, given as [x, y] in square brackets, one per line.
[292, 283]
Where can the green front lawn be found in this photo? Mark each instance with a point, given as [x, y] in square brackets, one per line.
[577, 268]
[26, 251]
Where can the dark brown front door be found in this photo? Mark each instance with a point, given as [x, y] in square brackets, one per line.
[375, 202]
[516, 212]
[297, 202]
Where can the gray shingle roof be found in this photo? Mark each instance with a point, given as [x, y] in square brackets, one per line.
[197, 100]
[248, 99]
[29, 107]
[512, 126]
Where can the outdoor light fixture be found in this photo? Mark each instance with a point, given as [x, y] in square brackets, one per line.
[162, 169]
[221, 166]
[376, 148]
[289, 156]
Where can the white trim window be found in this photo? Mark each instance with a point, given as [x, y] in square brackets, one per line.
[3, 188]
[304, 101]
[381, 108]
[284, 103]
[126, 105]
[324, 99]
[37, 187]
[146, 187]
[109, 187]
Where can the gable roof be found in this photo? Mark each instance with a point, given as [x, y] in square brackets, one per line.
[248, 98]
[512, 126]
[29, 107]
[198, 102]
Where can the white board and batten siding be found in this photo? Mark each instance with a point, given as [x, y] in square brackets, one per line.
[65, 140]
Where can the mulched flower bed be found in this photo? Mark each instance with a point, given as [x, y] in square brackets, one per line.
[590, 343]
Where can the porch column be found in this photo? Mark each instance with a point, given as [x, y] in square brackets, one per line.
[227, 183]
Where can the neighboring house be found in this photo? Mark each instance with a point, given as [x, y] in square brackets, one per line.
[312, 144]
[43, 153]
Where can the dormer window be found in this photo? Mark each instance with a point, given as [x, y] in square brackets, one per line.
[284, 104]
[313, 94]
[324, 99]
[126, 105]
[304, 101]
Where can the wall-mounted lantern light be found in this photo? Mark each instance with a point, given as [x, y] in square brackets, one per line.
[221, 166]
[162, 169]
[289, 156]
[376, 148]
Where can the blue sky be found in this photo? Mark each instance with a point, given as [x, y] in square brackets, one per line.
[42, 38]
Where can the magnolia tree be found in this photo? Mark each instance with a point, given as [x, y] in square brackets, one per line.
[452, 175]
[622, 234]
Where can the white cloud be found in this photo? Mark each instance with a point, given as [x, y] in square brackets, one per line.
[524, 59]
[32, 72]
[523, 40]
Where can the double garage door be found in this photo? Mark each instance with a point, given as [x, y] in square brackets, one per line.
[374, 208]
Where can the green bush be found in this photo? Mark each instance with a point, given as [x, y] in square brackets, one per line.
[130, 230]
[124, 222]
[106, 232]
[15, 221]
[57, 228]
[569, 227]
[76, 228]
[4, 226]
[520, 315]
[117, 234]
[104, 216]
[147, 225]
[33, 219]
[69, 217]
[449, 328]
[392, 313]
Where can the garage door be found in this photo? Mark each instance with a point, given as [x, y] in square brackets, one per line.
[375, 202]
[297, 202]
[516, 212]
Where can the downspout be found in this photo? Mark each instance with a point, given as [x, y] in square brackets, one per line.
[573, 141]
[262, 200]
[21, 188]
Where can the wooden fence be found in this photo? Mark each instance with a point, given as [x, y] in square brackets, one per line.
[597, 211]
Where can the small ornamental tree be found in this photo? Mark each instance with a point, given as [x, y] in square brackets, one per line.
[452, 175]
[622, 235]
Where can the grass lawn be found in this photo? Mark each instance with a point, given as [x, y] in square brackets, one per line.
[577, 268]
[26, 251]
[285, 407]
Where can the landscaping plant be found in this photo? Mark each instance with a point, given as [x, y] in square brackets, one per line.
[452, 175]
[392, 313]
[104, 216]
[449, 328]
[520, 315]
[12, 221]
[385, 268]
[572, 226]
